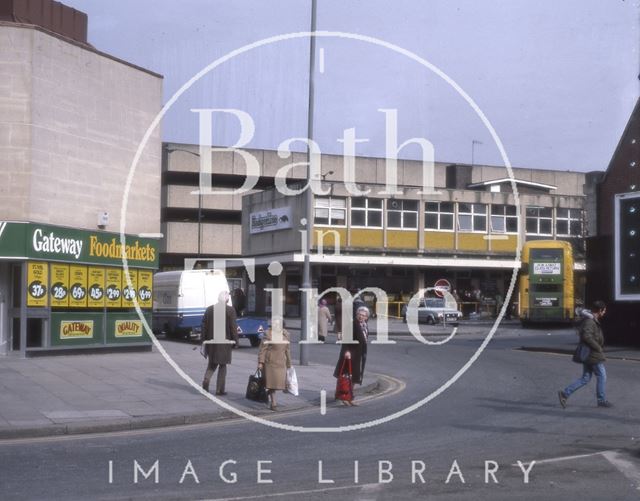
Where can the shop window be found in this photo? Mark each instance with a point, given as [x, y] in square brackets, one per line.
[569, 222]
[330, 211]
[538, 221]
[439, 216]
[504, 219]
[402, 214]
[472, 217]
[366, 212]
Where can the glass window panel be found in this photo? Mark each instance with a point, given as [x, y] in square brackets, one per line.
[358, 202]
[446, 207]
[560, 212]
[479, 223]
[432, 207]
[545, 212]
[466, 208]
[446, 222]
[497, 210]
[358, 218]
[511, 210]
[576, 228]
[322, 202]
[339, 215]
[512, 224]
[410, 220]
[394, 204]
[411, 205]
[545, 226]
[532, 225]
[375, 203]
[479, 208]
[575, 213]
[339, 202]
[497, 224]
[562, 227]
[431, 221]
[531, 212]
[322, 213]
[393, 219]
[375, 219]
[464, 222]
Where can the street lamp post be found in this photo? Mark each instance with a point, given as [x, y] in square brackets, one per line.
[306, 267]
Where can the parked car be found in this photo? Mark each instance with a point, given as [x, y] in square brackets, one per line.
[435, 310]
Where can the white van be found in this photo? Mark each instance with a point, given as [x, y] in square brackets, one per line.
[180, 299]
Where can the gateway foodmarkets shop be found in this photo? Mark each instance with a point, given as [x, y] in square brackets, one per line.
[66, 289]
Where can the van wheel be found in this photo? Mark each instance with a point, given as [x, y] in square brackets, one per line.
[430, 321]
[255, 341]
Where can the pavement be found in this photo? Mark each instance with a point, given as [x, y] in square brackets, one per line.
[95, 393]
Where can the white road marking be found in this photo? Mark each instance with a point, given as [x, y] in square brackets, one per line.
[369, 487]
[567, 458]
[368, 492]
[624, 466]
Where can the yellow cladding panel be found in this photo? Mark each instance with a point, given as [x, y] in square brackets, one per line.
[330, 237]
[402, 239]
[507, 245]
[439, 240]
[472, 241]
[367, 238]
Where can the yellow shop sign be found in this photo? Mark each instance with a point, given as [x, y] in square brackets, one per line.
[76, 329]
[128, 328]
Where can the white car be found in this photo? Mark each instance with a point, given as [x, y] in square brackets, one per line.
[434, 311]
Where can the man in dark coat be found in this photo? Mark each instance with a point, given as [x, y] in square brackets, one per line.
[219, 354]
[357, 352]
[591, 335]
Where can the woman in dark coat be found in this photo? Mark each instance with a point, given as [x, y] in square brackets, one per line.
[356, 352]
[219, 354]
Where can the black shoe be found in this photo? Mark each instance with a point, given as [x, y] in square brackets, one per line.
[605, 403]
[205, 387]
[221, 392]
[563, 399]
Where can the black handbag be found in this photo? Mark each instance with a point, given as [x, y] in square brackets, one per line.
[581, 354]
[256, 389]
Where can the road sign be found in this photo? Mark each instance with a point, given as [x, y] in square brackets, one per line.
[441, 286]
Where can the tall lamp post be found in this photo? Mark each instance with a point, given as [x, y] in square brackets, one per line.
[306, 267]
[183, 150]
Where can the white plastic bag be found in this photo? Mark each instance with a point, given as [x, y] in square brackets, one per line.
[292, 382]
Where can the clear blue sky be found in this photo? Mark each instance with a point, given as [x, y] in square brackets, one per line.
[558, 80]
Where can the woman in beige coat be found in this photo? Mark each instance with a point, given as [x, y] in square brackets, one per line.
[274, 358]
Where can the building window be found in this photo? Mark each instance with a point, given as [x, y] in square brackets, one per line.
[366, 212]
[538, 220]
[472, 217]
[402, 214]
[438, 216]
[330, 211]
[504, 219]
[569, 222]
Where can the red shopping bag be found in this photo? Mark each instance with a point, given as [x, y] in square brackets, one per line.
[344, 385]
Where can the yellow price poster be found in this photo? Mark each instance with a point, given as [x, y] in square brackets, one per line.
[60, 285]
[95, 295]
[113, 291]
[78, 289]
[37, 283]
[129, 292]
[145, 288]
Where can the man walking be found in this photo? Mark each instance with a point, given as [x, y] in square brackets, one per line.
[219, 354]
[591, 335]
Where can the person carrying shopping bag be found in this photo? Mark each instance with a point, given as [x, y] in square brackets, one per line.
[353, 357]
[274, 358]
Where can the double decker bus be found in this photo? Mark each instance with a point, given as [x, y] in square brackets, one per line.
[546, 282]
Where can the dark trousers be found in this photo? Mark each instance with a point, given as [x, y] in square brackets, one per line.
[221, 379]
